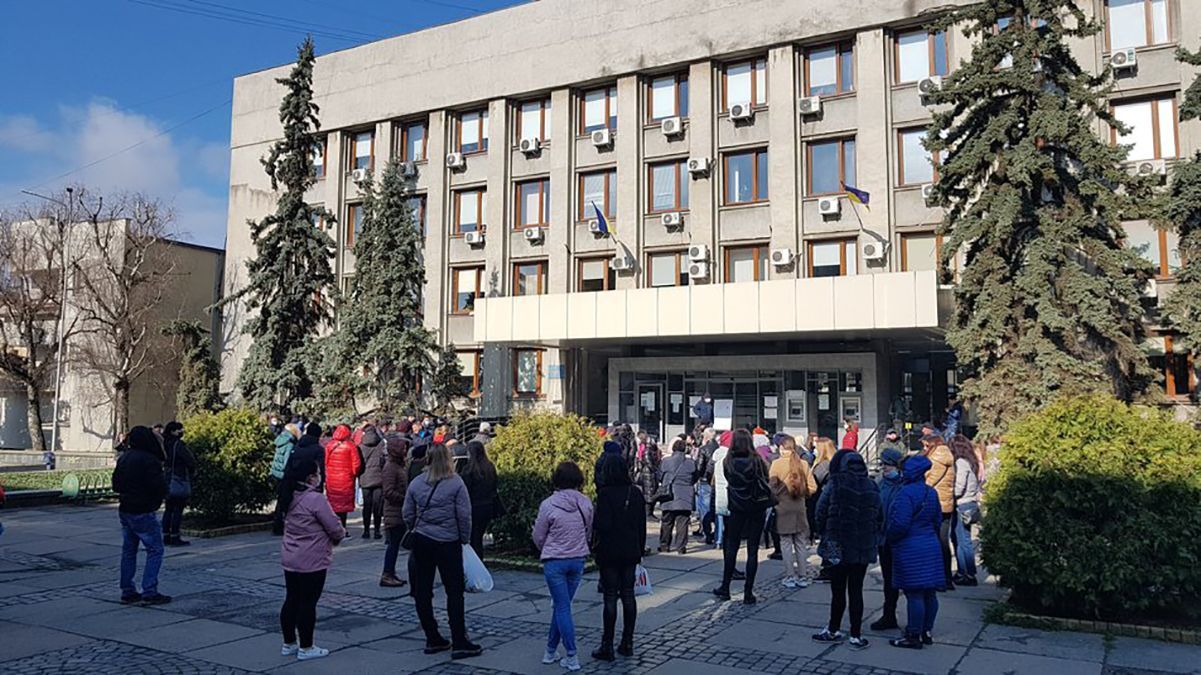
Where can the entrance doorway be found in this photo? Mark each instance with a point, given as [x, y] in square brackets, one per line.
[650, 410]
[824, 403]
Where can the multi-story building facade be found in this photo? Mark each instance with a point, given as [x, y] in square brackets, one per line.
[713, 139]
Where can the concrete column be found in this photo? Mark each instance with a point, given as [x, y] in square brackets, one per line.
[383, 148]
[701, 223]
[629, 175]
[559, 239]
[874, 164]
[437, 216]
[1188, 33]
[783, 181]
[496, 241]
[332, 193]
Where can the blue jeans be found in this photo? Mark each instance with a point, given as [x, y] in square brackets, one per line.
[923, 608]
[562, 578]
[965, 552]
[721, 528]
[703, 492]
[144, 528]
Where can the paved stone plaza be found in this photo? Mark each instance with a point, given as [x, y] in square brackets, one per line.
[59, 614]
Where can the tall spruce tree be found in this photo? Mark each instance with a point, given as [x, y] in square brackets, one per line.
[1048, 299]
[447, 384]
[1182, 211]
[199, 371]
[290, 277]
[382, 315]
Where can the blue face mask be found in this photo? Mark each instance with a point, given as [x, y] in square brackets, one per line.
[891, 472]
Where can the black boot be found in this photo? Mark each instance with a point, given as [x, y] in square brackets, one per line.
[604, 653]
[626, 648]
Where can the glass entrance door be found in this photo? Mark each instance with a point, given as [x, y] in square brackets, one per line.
[650, 410]
[823, 404]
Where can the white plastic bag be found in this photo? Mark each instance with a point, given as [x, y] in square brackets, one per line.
[478, 578]
[642, 581]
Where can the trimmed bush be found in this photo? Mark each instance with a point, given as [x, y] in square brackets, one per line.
[233, 455]
[526, 452]
[1096, 512]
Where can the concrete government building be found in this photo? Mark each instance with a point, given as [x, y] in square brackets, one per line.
[713, 136]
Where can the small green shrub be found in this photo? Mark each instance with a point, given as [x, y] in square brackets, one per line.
[526, 452]
[1096, 512]
[233, 454]
[47, 480]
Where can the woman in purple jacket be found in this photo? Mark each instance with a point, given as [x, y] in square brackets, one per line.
[311, 530]
[561, 532]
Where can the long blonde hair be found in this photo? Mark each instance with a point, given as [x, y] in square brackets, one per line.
[794, 478]
[825, 450]
[438, 465]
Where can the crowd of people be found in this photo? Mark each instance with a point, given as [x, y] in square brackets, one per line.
[424, 490]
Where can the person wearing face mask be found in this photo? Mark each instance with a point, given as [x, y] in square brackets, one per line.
[890, 481]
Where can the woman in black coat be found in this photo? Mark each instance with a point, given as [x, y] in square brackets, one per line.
[749, 499]
[619, 531]
[480, 476]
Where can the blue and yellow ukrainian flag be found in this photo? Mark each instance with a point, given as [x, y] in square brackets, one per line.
[602, 223]
[858, 196]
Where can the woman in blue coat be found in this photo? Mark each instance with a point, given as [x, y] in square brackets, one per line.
[912, 532]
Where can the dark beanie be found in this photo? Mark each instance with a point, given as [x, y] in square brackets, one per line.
[313, 429]
[404, 426]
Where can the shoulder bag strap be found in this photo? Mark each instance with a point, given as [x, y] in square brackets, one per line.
[417, 520]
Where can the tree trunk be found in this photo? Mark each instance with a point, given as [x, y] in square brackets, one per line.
[120, 407]
[33, 417]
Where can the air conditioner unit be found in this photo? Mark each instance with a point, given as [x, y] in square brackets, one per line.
[929, 85]
[622, 263]
[672, 126]
[829, 206]
[928, 192]
[1125, 59]
[781, 257]
[474, 238]
[810, 105]
[673, 219]
[698, 166]
[1152, 167]
[594, 227]
[408, 169]
[698, 269]
[602, 138]
[873, 250]
[742, 111]
[698, 252]
[456, 160]
[533, 233]
[358, 175]
[530, 146]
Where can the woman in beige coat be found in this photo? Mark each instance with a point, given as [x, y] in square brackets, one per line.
[792, 482]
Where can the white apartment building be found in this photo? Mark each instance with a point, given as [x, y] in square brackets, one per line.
[714, 138]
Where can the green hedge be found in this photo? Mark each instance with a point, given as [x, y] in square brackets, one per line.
[233, 451]
[1096, 512]
[526, 452]
[46, 480]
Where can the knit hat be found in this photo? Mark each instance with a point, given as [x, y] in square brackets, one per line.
[404, 427]
[313, 429]
[727, 437]
[612, 448]
[891, 457]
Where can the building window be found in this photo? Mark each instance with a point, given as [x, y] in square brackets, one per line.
[1152, 128]
[413, 142]
[1174, 365]
[745, 174]
[319, 158]
[533, 120]
[668, 269]
[920, 252]
[529, 278]
[1135, 23]
[473, 132]
[746, 263]
[830, 70]
[466, 286]
[669, 186]
[533, 203]
[831, 163]
[595, 274]
[469, 210]
[916, 162]
[598, 109]
[668, 96]
[416, 205]
[832, 258]
[469, 365]
[744, 82]
[362, 149]
[598, 191]
[354, 223]
[919, 55]
[1159, 247]
[527, 372]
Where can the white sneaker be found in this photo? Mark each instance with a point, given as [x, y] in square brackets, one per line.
[802, 583]
[570, 662]
[788, 582]
[550, 657]
[313, 652]
[288, 649]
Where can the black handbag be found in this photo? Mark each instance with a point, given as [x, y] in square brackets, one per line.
[406, 542]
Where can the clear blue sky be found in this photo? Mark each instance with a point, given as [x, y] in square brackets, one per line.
[82, 80]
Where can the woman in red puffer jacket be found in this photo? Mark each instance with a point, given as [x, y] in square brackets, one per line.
[343, 464]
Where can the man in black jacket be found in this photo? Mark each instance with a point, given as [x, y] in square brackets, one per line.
[309, 447]
[141, 485]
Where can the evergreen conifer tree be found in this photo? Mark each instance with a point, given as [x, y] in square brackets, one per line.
[447, 384]
[199, 372]
[290, 277]
[1048, 300]
[1182, 211]
[382, 315]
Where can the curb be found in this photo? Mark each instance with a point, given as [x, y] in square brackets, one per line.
[1181, 635]
[525, 564]
[210, 533]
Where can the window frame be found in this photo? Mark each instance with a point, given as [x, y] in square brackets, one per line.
[844, 242]
[538, 374]
[402, 150]
[1148, 26]
[681, 273]
[609, 205]
[682, 176]
[1156, 135]
[482, 141]
[1169, 372]
[725, 176]
[843, 49]
[762, 259]
[681, 101]
[610, 109]
[323, 144]
[755, 61]
[352, 158]
[543, 122]
[349, 234]
[543, 203]
[609, 278]
[422, 214]
[454, 288]
[934, 159]
[477, 358]
[938, 242]
[541, 277]
[842, 169]
[931, 65]
[457, 213]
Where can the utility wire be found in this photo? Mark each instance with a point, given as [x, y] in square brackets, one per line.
[248, 21]
[272, 17]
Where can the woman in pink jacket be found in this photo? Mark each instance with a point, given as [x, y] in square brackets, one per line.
[561, 533]
[311, 530]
